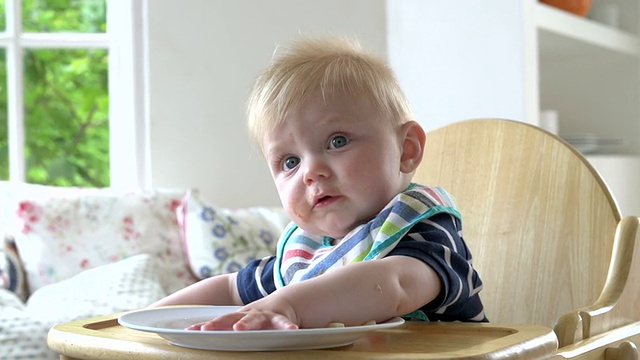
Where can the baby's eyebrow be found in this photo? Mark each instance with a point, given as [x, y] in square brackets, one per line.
[270, 149]
[273, 152]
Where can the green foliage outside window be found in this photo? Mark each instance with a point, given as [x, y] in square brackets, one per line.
[4, 145]
[65, 99]
[66, 113]
[84, 16]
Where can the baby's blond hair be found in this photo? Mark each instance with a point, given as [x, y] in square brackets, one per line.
[333, 66]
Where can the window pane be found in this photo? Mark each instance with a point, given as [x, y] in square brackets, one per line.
[66, 117]
[3, 23]
[4, 123]
[85, 16]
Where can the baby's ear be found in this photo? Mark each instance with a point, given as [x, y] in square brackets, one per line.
[412, 146]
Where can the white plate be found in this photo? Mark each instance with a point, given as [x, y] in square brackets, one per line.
[170, 322]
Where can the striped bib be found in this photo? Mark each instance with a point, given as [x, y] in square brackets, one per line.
[302, 256]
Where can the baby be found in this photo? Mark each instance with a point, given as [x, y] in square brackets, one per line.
[365, 242]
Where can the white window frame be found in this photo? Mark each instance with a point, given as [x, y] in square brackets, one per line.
[124, 41]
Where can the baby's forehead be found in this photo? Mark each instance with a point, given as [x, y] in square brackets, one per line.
[332, 107]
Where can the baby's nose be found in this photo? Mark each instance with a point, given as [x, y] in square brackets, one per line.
[315, 170]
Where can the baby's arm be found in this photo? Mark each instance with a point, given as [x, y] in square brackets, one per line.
[355, 294]
[216, 290]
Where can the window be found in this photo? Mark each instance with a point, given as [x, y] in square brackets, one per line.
[72, 111]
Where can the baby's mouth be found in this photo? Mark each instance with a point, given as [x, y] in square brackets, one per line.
[324, 200]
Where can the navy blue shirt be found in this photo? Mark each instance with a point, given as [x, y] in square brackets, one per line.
[437, 241]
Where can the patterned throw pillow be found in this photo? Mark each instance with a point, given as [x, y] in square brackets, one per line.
[61, 235]
[220, 240]
[12, 276]
[21, 335]
[128, 284]
[124, 285]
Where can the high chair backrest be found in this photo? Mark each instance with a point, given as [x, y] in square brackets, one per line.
[538, 218]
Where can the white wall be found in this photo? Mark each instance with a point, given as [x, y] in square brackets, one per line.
[455, 60]
[460, 59]
[202, 58]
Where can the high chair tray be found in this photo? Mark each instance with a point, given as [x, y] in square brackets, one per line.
[104, 338]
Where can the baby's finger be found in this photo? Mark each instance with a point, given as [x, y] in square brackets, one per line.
[195, 326]
[264, 321]
[223, 322]
[283, 323]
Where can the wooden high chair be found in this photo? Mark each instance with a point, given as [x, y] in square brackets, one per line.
[544, 229]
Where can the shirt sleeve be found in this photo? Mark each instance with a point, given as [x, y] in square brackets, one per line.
[255, 280]
[438, 242]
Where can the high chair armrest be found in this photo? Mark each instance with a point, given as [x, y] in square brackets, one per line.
[617, 304]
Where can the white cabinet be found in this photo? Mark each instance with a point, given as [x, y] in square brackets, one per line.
[622, 174]
[514, 58]
[589, 72]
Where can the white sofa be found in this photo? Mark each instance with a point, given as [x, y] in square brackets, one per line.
[71, 253]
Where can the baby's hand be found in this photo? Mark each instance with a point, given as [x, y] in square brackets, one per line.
[247, 320]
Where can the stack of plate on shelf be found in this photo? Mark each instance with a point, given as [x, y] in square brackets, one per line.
[586, 143]
[589, 143]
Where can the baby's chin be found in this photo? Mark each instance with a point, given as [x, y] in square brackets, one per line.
[326, 231]
[331, 234]
[336, 232]
[336, 226]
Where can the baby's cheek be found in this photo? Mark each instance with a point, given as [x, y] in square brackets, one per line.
[292, 212]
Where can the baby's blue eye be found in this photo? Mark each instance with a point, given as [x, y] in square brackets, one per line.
[290, 162]
[339, 141]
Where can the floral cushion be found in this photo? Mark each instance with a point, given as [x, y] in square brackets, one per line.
[12, 276]
[65, 233]
[220, 240]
